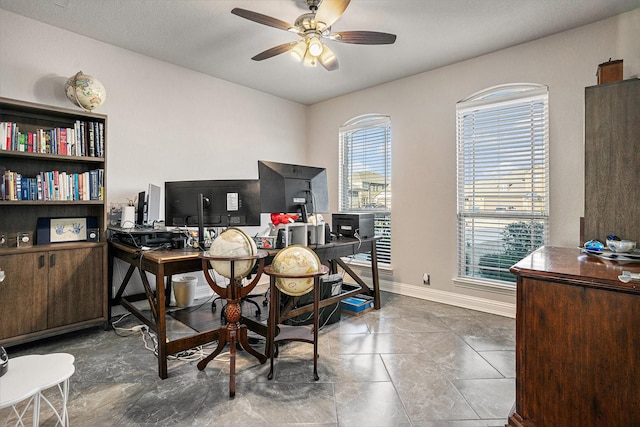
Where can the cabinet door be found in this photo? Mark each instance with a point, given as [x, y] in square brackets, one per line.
[612, 156]
[76, 291]
[23, 294]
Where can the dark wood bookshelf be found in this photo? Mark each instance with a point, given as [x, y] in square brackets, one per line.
[50, 289]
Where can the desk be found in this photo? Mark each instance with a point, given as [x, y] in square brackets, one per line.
[164, 263]
[28, 376]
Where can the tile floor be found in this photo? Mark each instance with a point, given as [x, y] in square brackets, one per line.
[412, 363]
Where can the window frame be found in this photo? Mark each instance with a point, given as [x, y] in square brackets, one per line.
[382, 214]
[502, 100]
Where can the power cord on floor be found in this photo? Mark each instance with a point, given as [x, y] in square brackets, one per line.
[191, 355]
[125, 332]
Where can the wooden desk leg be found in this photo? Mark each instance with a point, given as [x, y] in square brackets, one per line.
[123, 285]
[316, 320]
[374, 277]
[167, 292]
[161, 323]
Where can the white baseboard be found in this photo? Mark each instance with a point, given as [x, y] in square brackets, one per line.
[458, 300]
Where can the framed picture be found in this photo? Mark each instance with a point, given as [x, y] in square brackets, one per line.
[60, 230]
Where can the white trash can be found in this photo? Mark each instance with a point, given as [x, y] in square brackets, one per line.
[184, 290]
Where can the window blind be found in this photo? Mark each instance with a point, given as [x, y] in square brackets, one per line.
[365, 176]
[503, 186]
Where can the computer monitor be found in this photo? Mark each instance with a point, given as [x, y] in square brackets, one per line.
[288, 188]
[224, 203]
[153, 204]
[148, 206]
[140, 207]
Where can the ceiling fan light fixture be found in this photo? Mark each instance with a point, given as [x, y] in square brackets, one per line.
[315, 46]
[299, 50]
[309, 60]
[313, 27]
[327, 57]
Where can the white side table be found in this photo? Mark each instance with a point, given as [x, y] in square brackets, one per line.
[28, 376]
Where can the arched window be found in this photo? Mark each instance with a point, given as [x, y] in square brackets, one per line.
[365, 175]
[503, 179]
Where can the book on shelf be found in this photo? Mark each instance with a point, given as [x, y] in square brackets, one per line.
[86, 138]
[53, 186]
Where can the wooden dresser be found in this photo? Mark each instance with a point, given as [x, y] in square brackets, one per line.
[577, 341]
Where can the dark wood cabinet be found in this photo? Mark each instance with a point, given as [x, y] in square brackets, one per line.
[22, 289]
[71, 295]
[45, 292]
[612, 161]
[50, 288]
[577, 341]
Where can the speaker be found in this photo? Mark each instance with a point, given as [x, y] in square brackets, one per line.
[93, 234]
[23, 239]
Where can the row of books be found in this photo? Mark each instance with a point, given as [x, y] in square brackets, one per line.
[53, 186]
[85, 138]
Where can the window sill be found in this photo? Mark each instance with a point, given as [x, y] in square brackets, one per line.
[485, 285]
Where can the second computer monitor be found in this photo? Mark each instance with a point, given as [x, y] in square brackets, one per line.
[289, 188]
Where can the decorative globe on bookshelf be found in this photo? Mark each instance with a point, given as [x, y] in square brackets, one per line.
[295, 260]
[233, 243]
[85, 91]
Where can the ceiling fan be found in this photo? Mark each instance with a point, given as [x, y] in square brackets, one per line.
[313, 27]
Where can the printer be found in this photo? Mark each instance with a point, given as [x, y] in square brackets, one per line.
[352, 224]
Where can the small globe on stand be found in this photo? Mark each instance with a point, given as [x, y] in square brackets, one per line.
[295, 260]
[85, 91]
[233, 243]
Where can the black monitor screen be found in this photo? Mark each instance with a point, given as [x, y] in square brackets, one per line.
[140, 208]
[225, 203]
[286, 188]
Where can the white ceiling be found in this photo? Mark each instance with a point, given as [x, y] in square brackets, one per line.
[204, 36]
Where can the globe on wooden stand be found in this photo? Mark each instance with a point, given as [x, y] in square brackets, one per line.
[233, 254]
[295, 271]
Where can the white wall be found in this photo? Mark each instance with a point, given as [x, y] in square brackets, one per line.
[422, 110]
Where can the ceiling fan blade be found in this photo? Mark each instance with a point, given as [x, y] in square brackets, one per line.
[363, 37]
[328, 59]
[274, 51]
[329, 12]
[263, 19]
